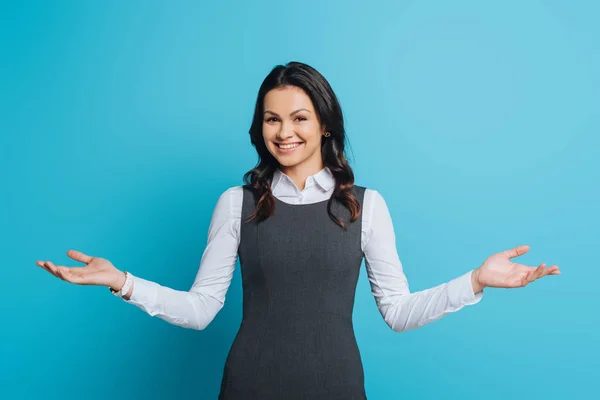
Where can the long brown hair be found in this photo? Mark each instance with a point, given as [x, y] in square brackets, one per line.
[330, 115]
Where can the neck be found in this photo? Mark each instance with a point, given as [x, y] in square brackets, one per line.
[299, 173]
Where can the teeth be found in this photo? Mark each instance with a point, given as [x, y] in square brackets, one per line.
[289, 146]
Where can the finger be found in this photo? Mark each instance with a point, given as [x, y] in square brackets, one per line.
[72, 275]
[552, 270]
[42, 265]
[79, 256]
[48, 266]
[516, 251]
[69, 274]
[55, 270]
[75, 270]
[525, 280]
[540, 270]
[532, 274]
[548, 271]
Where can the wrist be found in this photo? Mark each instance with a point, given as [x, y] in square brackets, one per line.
[118, 281]
[477, 286]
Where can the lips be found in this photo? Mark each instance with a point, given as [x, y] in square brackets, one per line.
[287, 144]
[288, 147]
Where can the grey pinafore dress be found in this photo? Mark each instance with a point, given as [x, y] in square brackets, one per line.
[299, 274]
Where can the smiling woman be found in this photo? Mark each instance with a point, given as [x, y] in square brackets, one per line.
[300, 228]
[299, 133]
[298, 129]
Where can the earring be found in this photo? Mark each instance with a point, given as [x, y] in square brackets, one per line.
[327, 134]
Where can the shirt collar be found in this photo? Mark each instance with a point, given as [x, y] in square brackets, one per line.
[324, 178]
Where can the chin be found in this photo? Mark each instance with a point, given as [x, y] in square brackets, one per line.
[288, 162]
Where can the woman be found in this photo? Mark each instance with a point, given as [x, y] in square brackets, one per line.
[301, 229]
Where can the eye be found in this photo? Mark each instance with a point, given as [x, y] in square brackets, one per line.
[301, 118]
[271, 119]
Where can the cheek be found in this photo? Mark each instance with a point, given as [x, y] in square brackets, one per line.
[309, 132]
[269, 132]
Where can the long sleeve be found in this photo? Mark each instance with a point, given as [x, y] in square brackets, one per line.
[197, 307]
[401, 309]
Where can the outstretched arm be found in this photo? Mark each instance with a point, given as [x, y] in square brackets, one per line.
[197, 307]
[403, 310]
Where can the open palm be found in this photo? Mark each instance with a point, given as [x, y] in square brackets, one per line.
[499, 271]
[98, 271]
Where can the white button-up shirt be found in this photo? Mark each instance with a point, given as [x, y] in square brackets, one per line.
[401, 309]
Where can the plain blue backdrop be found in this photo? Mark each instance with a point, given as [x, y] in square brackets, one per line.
[121, 123]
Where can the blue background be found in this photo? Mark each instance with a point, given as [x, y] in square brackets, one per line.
[122, 122]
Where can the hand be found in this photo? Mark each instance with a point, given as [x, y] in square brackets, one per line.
[98, 271]
[498, 271]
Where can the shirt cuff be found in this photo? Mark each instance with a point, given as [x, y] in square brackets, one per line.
[460, 291]
[144, 292]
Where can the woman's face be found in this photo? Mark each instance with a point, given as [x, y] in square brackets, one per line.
[291, 129]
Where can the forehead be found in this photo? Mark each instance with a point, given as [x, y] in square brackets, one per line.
[287, 98]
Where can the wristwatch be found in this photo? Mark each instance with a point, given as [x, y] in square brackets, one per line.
[126, 286]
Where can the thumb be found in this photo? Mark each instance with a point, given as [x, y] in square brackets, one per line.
[516, 251]
[79, 256]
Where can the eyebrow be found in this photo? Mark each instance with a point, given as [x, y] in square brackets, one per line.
[292, 113]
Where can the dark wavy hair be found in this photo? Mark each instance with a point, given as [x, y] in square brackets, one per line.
[330, 115]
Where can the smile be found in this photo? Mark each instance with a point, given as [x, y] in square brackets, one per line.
[288, 147]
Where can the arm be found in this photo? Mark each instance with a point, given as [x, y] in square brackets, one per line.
[197, 307]
[401, 309]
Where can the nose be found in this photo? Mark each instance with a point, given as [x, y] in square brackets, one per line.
[286, 131]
